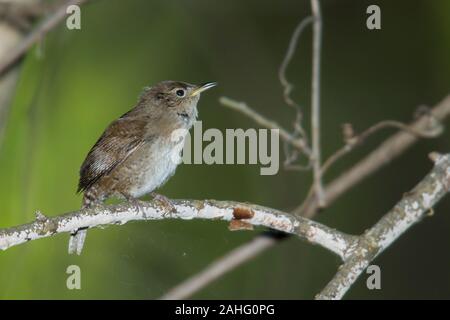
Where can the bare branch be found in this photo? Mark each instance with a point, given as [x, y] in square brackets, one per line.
[390, 149]
[10, 36]
[414, 206]
[51, 21]
[358, 252]
[14, 44]
[287, 86]
[315, 102]
[433, 130]
[291, 156]
[311, 231]
[243, 108]
[7, 87]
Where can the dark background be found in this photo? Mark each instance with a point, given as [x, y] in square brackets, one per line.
[76, 82]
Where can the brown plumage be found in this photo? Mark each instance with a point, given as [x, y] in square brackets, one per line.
[134, 155]
[115, 145]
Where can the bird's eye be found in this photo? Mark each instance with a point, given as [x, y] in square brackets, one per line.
[180, 93]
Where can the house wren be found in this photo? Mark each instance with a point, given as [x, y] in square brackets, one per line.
[134, 155]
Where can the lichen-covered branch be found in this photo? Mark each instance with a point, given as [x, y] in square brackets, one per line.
[414, 206]
[240, 215]
[360, 251]
[392, 148]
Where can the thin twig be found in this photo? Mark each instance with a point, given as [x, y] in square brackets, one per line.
[15, 45]
[292, 47]
[10, 36]
[414, 206]
[430, 132]
[51, 21]
[290, 156]
[287, 86]
[7, 86]
[315, 102]
[390, 149]
[243, 108]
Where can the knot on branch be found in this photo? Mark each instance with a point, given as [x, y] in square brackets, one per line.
[239, 214]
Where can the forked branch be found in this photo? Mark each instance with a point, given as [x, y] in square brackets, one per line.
[414, 206]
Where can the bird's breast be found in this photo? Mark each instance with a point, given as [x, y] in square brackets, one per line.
[151, 166]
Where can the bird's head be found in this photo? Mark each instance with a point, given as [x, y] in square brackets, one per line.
[174, 100]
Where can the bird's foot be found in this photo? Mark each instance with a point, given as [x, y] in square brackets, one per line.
[166, 203]
[97, 206]
[137, 204]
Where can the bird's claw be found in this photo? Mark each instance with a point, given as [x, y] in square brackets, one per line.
[165, 202]
[137, 204]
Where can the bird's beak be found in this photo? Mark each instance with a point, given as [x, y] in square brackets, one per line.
[203, 87]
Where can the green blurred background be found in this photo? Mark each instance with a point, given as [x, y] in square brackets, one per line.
[76, 82]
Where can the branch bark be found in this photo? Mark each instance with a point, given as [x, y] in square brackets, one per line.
[356, 252]
[51, 21]
[389, 150]
[414, 206]
[246, 214]
[315, 103]
[15, 45]
[10, 37]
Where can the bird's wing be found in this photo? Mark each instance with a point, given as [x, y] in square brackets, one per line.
[116, 144]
